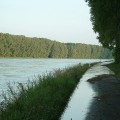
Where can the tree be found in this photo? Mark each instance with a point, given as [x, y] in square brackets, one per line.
[21, 46]
[105, 17]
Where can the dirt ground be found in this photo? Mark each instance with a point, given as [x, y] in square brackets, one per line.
[106, 104]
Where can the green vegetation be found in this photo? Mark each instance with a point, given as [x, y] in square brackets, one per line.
[21, 46]
[105, 17]
[46, 99]
[115, 68]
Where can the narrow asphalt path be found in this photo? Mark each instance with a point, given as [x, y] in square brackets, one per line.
[106, 104]
[85, 102]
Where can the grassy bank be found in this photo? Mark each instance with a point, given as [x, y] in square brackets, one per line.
[115, 68]
[45, 100]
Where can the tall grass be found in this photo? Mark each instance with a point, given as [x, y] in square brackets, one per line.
[115, 68]
[46, 99]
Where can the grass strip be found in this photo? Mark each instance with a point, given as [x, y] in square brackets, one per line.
[46, 99]
[115, 68]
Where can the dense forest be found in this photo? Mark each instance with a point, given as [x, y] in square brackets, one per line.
[21, 46]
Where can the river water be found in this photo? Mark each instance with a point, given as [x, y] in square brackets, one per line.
[78, 105]
[19, 70]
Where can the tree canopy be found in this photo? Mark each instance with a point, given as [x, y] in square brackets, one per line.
[105, 17]
[21, 46]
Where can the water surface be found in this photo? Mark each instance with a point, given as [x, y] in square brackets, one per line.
[19, 70]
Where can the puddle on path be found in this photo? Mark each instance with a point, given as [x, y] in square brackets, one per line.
[80, 100]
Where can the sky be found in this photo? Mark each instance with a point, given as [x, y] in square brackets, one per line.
[65, 21]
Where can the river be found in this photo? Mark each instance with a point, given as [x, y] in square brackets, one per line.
[20, 70]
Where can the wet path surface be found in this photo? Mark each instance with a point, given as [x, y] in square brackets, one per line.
[106, 104]
[80, 101]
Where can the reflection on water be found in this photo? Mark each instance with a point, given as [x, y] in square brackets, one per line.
[78, 105]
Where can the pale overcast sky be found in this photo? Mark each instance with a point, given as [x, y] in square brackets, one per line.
[60, 20]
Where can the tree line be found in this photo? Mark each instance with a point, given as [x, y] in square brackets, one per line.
[105, 17]
[21, 46]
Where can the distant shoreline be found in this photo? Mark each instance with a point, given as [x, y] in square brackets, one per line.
[21, 46]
